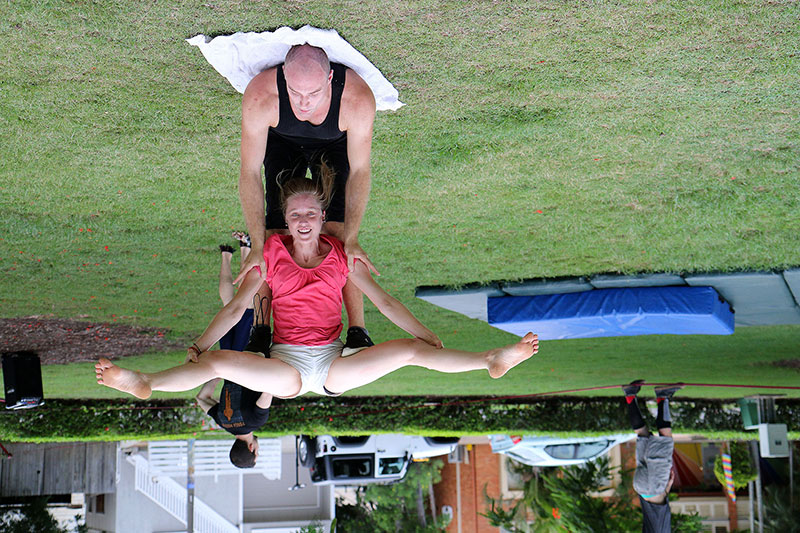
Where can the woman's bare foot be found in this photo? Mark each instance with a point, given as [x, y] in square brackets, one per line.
[501, 360]
[124, 380]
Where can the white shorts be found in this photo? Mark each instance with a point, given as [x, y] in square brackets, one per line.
[312, 362]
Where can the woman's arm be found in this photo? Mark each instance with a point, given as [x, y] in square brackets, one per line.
[205, 398]
[390, 306]
[228, 316]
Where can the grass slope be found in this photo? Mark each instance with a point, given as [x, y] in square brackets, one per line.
[539, 139]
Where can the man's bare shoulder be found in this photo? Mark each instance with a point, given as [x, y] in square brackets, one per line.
[261, 95]
[358, 102]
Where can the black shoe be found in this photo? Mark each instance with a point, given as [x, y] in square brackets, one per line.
[243, 238]
[357, 340]
[225, 248]
[668, 390]
[633, 388]
[260, 340]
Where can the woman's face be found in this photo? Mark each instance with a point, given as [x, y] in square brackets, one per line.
[304, 216]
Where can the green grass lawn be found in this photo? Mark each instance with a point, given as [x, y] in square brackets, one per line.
[662, 137]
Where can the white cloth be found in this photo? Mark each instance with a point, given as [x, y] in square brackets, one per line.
[241, 56]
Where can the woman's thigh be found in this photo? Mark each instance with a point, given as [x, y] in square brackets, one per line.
[369, 365]
[255, 372]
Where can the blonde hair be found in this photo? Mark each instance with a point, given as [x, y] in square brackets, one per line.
[321, 189]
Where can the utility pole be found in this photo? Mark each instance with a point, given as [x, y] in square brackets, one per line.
[190, 486]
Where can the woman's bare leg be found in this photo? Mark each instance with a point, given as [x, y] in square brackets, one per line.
[375, 362]
[245, 368]
[226, 291]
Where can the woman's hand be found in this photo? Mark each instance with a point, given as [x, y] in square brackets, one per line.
[192, 354]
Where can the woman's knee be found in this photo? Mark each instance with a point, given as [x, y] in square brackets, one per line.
[409, 350]
[219, 361]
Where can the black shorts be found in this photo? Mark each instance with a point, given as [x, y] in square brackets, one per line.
[239, 335]
[285, 159]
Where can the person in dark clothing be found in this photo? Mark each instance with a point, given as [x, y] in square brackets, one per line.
[237, 337]
[654, 476]
[240, 411]
[297, 117]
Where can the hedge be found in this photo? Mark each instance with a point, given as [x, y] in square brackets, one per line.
[453, 416]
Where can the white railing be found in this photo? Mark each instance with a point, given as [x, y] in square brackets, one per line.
[211, 457]
[171, 496]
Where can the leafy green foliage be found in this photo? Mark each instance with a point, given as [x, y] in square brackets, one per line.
[354, 415]
[558, 499]
[741, 466]
[33, 517]
[780, 515]
[402, 506]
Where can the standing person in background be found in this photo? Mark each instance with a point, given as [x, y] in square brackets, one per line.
[653, 477]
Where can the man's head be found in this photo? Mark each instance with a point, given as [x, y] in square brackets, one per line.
[244, 451]
[308, 79]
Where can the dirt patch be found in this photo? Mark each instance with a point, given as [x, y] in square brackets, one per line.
[788, 363]
[59, 341]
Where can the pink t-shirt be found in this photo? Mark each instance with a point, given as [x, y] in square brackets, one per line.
[306, 302]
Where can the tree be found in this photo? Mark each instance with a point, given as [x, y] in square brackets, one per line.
[33, 517]
[397, 507]
[561, 499]
[741, 466]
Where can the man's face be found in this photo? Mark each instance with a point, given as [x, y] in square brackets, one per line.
[309, 90]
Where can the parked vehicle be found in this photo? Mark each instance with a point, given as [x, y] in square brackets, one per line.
[367, 459]
[549, 451]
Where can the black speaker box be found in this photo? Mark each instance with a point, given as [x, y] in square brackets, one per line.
[22, 379]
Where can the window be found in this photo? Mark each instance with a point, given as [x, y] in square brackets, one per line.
[349, 468]
[584, 450]
[390, 466]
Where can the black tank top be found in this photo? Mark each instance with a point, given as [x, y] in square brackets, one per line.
[303, 132]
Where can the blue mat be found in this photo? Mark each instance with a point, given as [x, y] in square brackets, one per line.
[614, 312]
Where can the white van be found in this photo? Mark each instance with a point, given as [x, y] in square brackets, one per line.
[367, 459]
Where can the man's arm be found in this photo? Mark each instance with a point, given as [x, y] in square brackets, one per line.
[205, 398]
[358, 108]
[264, 401]
[259, 112]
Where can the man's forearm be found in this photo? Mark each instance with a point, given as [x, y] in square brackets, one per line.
[251, 196]
[356, 198]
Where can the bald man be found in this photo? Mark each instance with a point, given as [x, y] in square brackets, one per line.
[295, 116]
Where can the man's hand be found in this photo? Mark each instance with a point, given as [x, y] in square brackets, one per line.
[670, 482]
[354, 251]
[254, 259]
